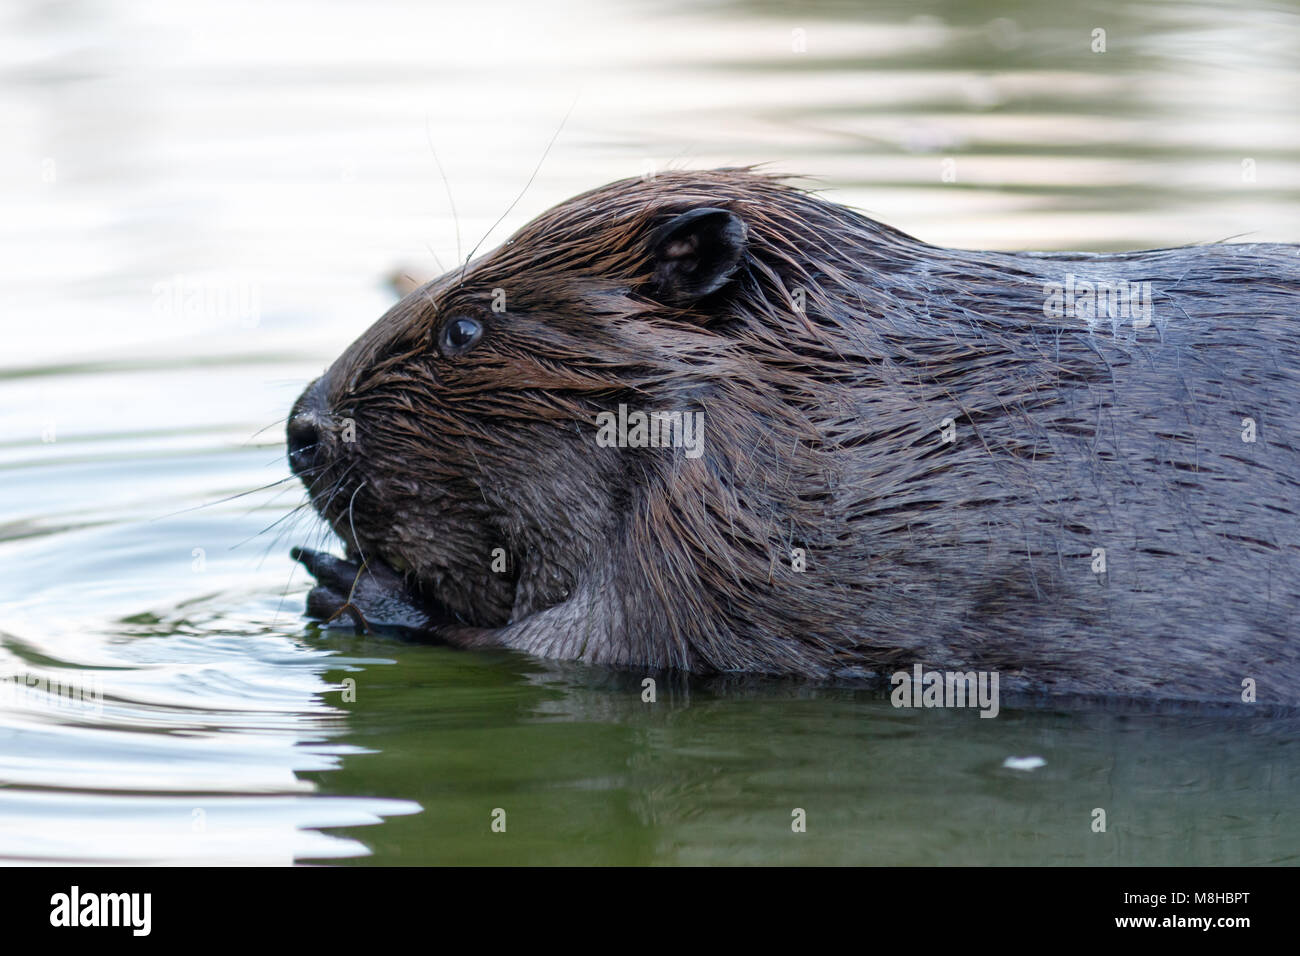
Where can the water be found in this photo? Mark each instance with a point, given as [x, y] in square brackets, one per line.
[202, 202]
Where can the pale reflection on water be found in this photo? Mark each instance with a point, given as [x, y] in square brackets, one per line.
[280, 160]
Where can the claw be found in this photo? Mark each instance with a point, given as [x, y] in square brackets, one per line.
[371, 593]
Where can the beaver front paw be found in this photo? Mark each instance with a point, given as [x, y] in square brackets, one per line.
[370, 595]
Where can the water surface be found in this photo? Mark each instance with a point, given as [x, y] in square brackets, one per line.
[202, 202]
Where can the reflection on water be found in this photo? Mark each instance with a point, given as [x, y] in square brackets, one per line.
[177, 741]
[589, 773]
[201, 202]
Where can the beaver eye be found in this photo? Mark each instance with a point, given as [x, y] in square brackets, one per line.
[459, 335]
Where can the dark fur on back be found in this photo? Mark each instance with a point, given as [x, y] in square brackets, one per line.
[825, 368]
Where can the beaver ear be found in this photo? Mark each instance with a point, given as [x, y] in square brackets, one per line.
[696, 253]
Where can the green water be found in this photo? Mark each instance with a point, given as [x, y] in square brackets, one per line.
[282, 156]
[587, 772]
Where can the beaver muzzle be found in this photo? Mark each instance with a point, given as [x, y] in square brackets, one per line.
[305, 428]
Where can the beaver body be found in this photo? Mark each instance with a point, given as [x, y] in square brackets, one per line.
[1080, 471]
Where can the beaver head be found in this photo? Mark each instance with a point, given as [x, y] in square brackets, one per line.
[456, 440]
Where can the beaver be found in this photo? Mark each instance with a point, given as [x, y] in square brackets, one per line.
[1079, 471]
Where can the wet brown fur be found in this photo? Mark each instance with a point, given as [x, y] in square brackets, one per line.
[822, 432]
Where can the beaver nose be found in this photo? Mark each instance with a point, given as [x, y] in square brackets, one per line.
[303, 433]
[304, 439]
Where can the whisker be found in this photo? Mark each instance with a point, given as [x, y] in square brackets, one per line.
[352, 527]
[282, 517]
[221, 501]
[265, 427]
[436, 261]
[273, 545]
[428, 134]
[338, 486]
[536, 170]
[289, 582]
[266, 504]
